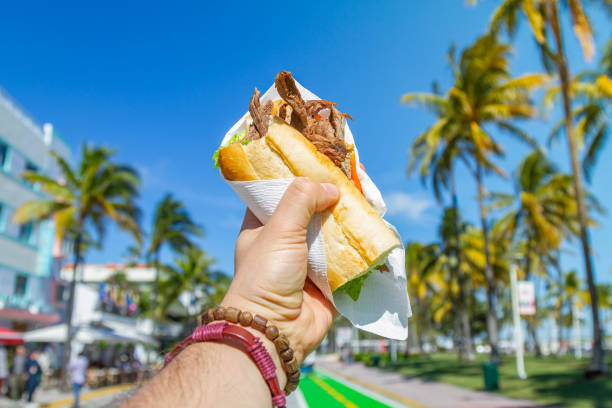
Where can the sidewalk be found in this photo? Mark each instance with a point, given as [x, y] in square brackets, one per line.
[417, 393]
[106, 397]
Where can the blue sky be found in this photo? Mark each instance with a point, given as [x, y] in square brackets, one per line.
[162, 85]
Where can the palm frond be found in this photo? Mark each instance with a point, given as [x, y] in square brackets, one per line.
[432, 102]
[604, 85]
[519, 134]
[593, 151]
[49, 186]
[555, 133]
[37, 210]
[506, 17]
[536, 20]
[582, 28]
[528, 81]
[65, 169]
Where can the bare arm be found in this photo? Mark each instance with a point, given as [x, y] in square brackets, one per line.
[269, 280]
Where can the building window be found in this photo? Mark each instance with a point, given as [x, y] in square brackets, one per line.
[25, 232]
[2, 217]
[21, 283]
[3, 155]
[61, 294]
[31, 167]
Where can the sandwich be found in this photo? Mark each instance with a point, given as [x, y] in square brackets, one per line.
[291, 137]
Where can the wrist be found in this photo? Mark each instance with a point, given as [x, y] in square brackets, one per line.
[284, 321]
[269, 345]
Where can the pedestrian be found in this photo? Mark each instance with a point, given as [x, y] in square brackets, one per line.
[18, 373]
[4, 372]
[44, 360]
[33, 373]
[269, 283]
[78, 370]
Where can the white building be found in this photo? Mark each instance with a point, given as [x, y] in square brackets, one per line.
[30, 293]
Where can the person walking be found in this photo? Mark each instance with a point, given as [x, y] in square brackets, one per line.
[18, 373]
[78, 370]
[33, 373]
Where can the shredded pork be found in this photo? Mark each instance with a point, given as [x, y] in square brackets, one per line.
[318, 120]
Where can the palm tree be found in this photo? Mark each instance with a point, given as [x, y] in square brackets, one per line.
[543, 17]
[592, 95]
[450, 231]
[89, 195]
[484, 93]
[541, 213]
[190, 274]
[422, 271]
[174, 227]
[436, 150]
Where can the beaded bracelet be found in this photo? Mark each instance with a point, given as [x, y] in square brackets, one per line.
[249, 343]
[281, 343]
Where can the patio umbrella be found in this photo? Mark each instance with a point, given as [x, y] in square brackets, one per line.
[83, 334]
[10, 337]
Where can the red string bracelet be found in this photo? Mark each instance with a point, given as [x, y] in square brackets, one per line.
[243, 339]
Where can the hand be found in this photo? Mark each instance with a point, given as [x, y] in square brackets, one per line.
[270, 268]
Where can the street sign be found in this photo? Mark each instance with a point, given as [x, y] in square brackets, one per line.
[526, 298]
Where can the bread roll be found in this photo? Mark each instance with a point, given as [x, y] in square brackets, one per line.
[356, 237]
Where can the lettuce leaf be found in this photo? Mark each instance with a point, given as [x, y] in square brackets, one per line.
[353, 287]
[236, 138]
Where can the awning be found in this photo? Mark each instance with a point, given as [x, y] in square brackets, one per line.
[83, 334]
[135, 335]
[10, 337]
[23, 315]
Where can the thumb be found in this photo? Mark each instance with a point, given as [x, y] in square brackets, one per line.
[299, 203]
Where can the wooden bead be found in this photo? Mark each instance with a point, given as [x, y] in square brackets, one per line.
[286, 355]
[246, 318]
[259, 323]
[208, 316]
[272, 332]
[290, 387]
[232, 314]
[281, 343]
[294, 379]
[220, 313]
[293, 376]
[291, 366]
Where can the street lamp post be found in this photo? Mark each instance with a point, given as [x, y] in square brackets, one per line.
[518, 332]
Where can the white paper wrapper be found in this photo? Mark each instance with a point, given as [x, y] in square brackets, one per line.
[383, 307]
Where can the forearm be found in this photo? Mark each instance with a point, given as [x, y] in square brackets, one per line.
[206, 375]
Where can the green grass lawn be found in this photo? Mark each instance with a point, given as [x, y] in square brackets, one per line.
[555, 381]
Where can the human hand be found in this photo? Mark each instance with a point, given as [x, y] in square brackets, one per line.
[270, 268]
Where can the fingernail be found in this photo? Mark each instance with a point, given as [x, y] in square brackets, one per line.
[331, 189]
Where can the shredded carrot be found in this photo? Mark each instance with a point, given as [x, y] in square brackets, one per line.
[354, 175]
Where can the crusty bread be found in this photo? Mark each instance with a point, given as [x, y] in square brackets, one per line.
[356, 237]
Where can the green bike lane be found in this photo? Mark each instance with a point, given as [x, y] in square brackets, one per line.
[322, 390]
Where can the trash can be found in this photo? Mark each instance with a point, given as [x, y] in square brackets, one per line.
[376, 360]
[491, 376]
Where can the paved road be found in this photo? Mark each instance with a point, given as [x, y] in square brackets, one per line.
[331, 385]
[418, 393]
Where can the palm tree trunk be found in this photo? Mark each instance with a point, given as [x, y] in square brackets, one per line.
[561, 296]
[155, 299]
[76, 251]
[457, 343]
[598, 363]
[463, 306]
[490, 279]
[531, 321]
